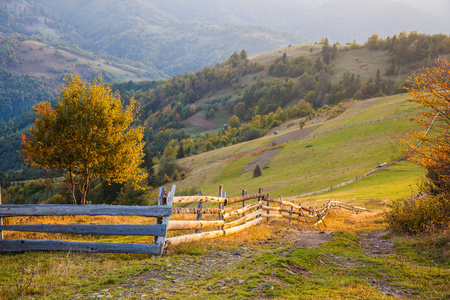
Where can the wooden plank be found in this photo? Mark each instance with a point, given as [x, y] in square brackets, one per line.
[153, 230]
[271, 216]
[7, 245]
[244, 219]
[243, 198]
[287, 203]
[209, 235]
[16, 210]
[241, 210]
[193, 211]
[193, 237]
[279, 209]
[243, 227]
[191, 199]
[182, 225]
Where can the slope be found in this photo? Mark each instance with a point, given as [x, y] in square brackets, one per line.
[367, 134]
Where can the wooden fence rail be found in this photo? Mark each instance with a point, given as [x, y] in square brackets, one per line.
[162, 212]
[236, 219]
[228, 220]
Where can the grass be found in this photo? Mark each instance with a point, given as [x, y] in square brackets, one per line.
[260, 263]
[334, 157]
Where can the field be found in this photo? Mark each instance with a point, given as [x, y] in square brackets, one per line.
[354, 257]
[368, 133]
[44, 60]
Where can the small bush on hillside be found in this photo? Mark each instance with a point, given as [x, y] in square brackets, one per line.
[422, 214]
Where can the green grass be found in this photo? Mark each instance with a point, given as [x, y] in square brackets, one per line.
[334, 158]
[266, 268]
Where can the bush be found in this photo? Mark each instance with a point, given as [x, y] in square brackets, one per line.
[422, 214]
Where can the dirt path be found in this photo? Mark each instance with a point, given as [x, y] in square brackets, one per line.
[189, 276]
[293, 135]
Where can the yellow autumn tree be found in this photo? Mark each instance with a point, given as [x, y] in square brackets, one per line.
[87, 135]
[429, 148]
[431, 89]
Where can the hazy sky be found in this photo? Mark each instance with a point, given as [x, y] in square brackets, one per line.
[437, 7]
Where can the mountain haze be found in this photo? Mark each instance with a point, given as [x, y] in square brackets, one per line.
[138, 31]
[338, 20]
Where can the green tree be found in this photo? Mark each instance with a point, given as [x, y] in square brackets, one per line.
[234, 122]
[87, 135]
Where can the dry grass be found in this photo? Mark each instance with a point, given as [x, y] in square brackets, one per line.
[65, 220]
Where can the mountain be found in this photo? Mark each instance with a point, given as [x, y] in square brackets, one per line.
[262, 90]
[338, 20]
[138, 31]
[173, 37]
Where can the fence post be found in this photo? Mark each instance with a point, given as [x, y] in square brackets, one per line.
[1, 219]
[281, 208]
[220, 204]
[199, 215]
[224, 195]
[260, 199]
[166, 199]
[162, 199]
[290, 213]
[268, 204]
[244, 193]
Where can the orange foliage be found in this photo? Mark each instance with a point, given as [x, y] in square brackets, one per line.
[431, 89]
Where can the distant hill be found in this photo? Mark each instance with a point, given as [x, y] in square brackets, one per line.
[138, 31]
[32, 70]
[261, 90]
[338, 20]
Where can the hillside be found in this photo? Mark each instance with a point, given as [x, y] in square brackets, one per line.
[262, 90]
[335, 150]
[138, 31]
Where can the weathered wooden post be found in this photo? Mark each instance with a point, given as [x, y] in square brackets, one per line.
[268, 204]
[199, 215]
[164, 198]
[220, 204]
[260, 199]
[1, 219]
[244, 193]
[290, 213]
[224, 195]
[281, 208]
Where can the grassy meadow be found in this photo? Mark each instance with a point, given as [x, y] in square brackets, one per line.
[269, 261]
[340, 149]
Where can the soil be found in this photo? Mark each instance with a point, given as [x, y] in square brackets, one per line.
[203, 123]
[265, 157]
[262, 160]
[293, 136]
[171, 278]
[373, 243]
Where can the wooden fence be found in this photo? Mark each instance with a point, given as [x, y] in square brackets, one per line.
[240, 217]
[220, 221]
[161, 212]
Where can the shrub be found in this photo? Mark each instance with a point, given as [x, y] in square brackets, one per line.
[421, 214]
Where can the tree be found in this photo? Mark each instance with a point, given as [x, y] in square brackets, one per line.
[244, 54]
[233, 122]
[431, 89]
[86, 135]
